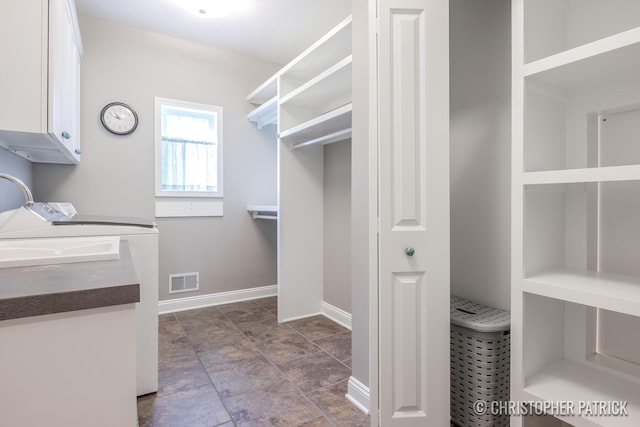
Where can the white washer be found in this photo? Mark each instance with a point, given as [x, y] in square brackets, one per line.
[44, 220]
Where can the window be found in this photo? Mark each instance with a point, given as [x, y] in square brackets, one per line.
[188, 149]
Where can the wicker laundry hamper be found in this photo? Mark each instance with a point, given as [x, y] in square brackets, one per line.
[479, 362]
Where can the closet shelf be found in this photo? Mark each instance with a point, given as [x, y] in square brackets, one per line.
[569, 381]
[608, 291]
[568, 176]
[265, 91]
[327, 50]
[265, 114]
[263, 211]
[603, 62]
[333, 83]
[330, 127]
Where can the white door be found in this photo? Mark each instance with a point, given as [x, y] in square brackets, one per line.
[413, 138]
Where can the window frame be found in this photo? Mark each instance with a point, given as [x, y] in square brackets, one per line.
[159, 102]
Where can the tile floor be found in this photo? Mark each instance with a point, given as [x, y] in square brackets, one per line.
[234, 365]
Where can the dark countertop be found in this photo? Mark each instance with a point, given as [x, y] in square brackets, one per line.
[60, 288]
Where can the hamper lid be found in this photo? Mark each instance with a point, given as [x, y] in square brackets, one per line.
[478, 317]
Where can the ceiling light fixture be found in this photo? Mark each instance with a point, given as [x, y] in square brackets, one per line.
[211, 9]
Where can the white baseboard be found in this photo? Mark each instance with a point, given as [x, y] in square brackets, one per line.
[336, 314]
[200, 301]
[358, 394]
[189, 303]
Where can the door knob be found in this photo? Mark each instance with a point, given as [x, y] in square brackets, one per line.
[409, 251]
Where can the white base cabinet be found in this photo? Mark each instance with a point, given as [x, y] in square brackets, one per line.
[576, 208]
[40, 85]
[69, 369]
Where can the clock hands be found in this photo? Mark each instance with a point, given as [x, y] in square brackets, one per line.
[116, 115]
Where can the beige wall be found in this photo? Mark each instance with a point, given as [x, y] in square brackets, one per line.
[337, 225]
[481, 150]
[11, 196]
[116, 175]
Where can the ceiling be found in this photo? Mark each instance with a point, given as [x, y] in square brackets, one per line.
[273, 30]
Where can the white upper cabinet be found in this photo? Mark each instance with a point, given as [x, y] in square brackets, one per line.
[40, 106]
[310, 98]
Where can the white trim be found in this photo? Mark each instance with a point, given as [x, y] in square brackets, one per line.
[305, 316]
[194, 208]
[200, 301]
[358, 394]
[336, 314]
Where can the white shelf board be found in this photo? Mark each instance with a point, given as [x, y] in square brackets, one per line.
[600, 63]
[568, 176]
[332, 83]
[265, 91]
[263, 211]
[333, 46]
[265, 114]
[609, 291]
[320, 128]
[570, 381]
[337, 136]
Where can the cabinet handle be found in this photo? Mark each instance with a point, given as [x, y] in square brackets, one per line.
[409, 251]
[66, 135]
[77, 151]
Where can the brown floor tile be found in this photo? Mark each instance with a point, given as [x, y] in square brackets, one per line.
[339, 345]
[166, 317]
[314, 371]
[245, 312]
[348, 415]
[226, 349]
[181, 376]
[333, 395]
[216, 367]
[282, 406]
[269, 304]
[204, 313]
[333, 403]
[200, 327]
[249, 375]
[316, 327]
[287, 347]
[176, 349]
[318, 422]
[197, 407]
[169, 329]
[265, 329]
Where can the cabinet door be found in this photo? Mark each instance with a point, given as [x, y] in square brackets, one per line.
[23, 86]
[64, 78]
[413, 105]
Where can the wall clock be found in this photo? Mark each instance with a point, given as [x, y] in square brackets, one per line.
[118, 118]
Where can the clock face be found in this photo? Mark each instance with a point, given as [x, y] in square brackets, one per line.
[119, 118]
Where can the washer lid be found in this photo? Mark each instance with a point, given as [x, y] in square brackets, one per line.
[105, 220]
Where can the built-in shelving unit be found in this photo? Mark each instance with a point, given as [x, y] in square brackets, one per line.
[329, 127]
[263, 211]
[309, 102]
[265, 114]
[309, 99]
[265, 100]
[576, 205]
